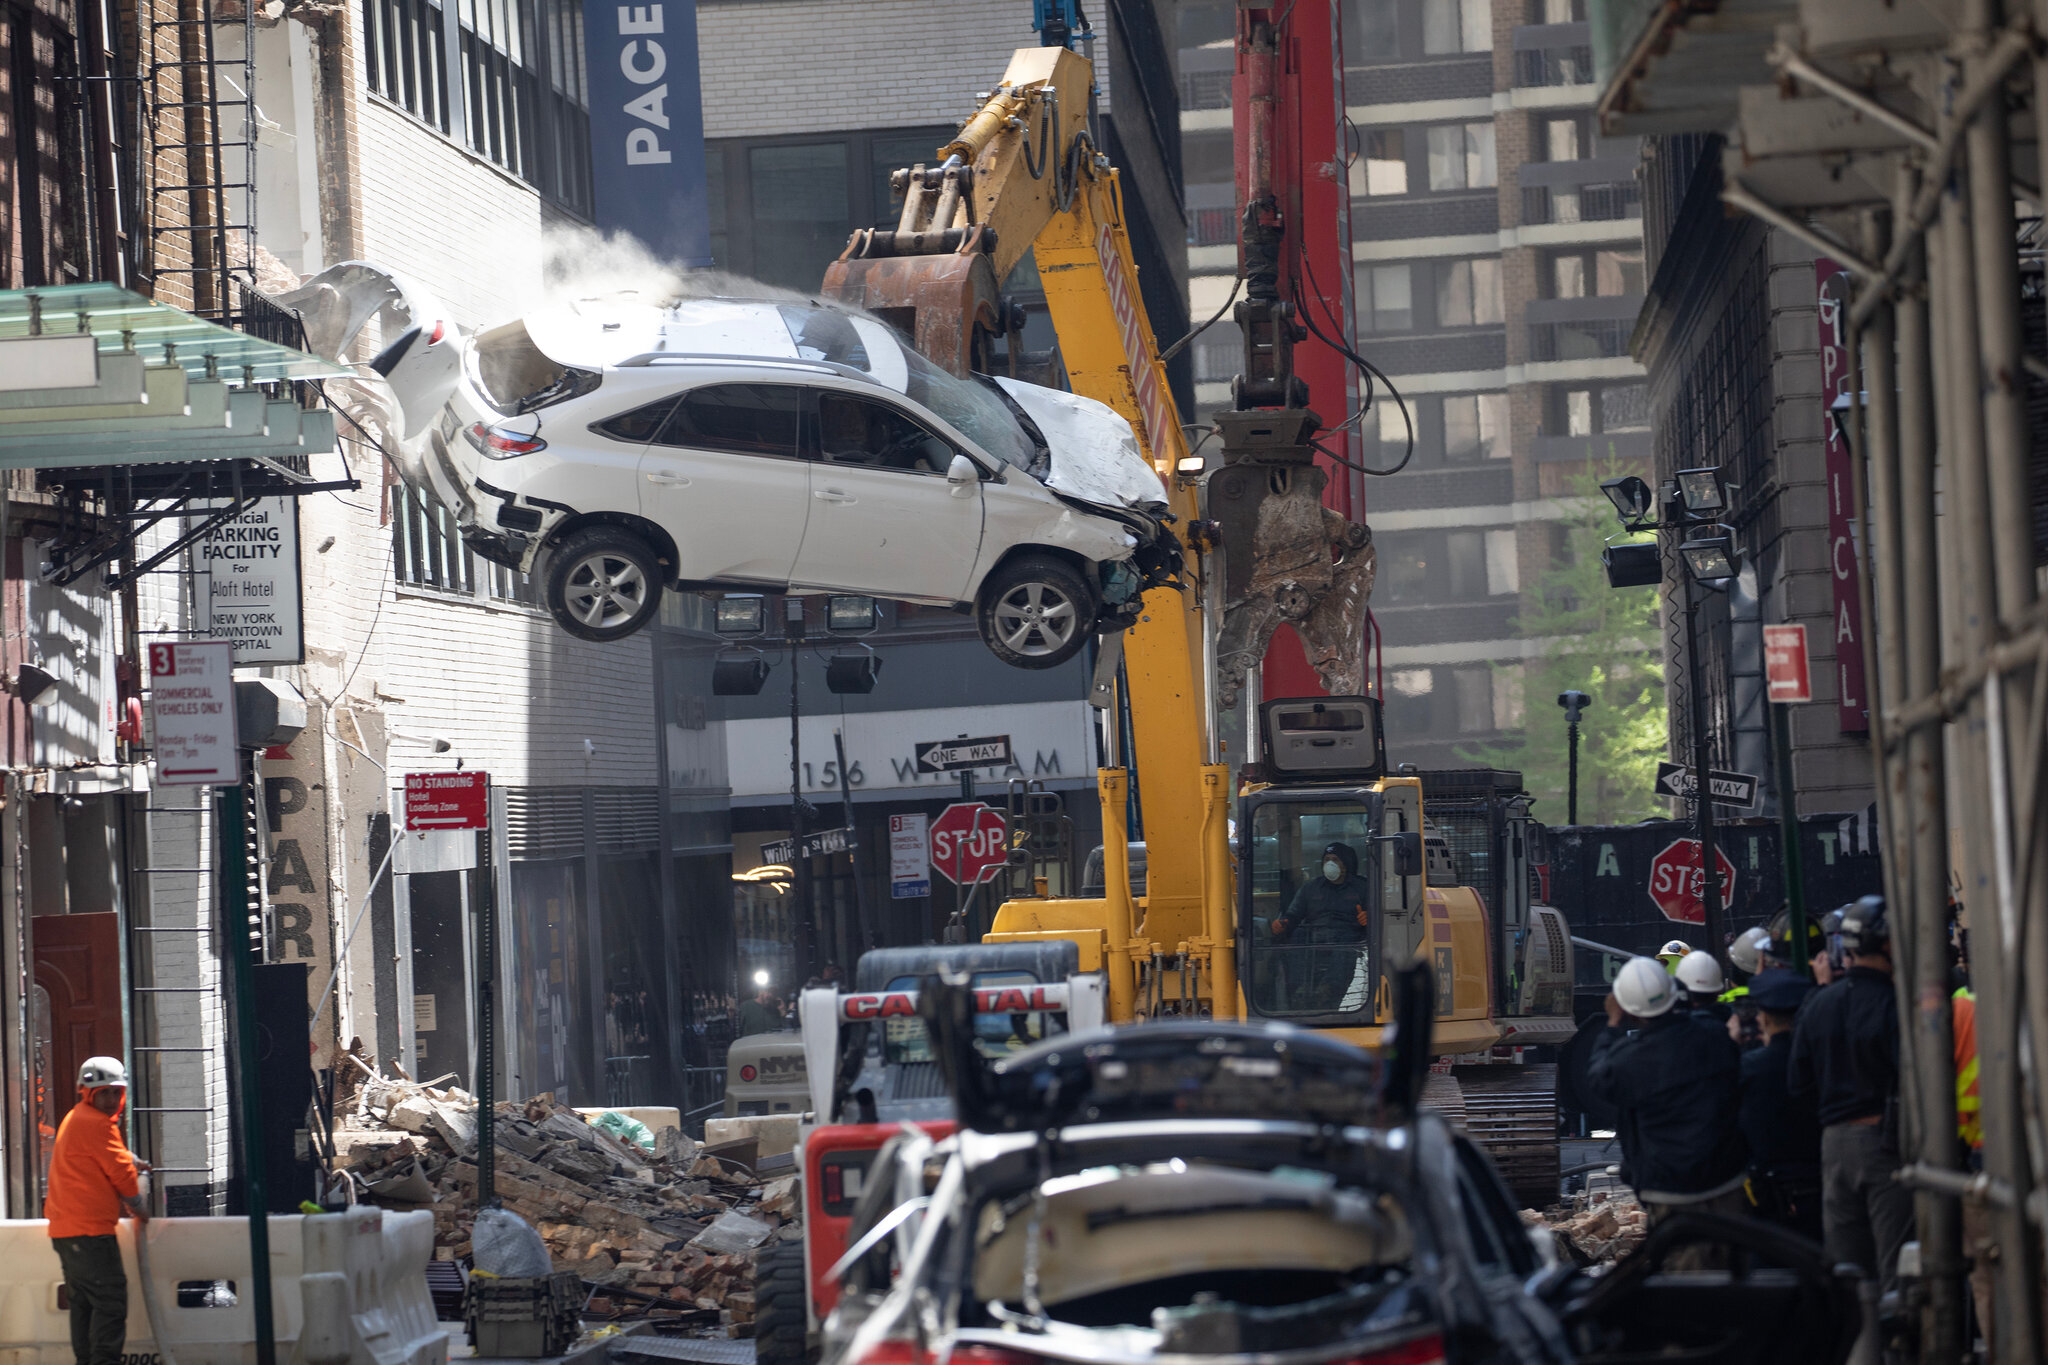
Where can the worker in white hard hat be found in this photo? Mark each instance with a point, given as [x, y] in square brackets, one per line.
[1701, 978]
[92, 1180]
[1674, 1078]
[1673, 953]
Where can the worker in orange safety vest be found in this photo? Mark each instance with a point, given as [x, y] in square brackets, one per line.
[92, 1179]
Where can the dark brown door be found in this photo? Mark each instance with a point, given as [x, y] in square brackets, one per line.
[78, 980]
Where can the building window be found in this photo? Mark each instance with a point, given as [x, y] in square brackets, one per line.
[1564, 11]
[1468, 293]
[1457, 26]
[1475, 427]
[1461, 156]
[1376, 32]
[1383, 169]
[1207, 158]
[1604, 273]
[801, 218]
[427, 552]
[1598, 411]
[1563, 138]
[518, 76]
[1421, 568]
[1386, 298]
[403, 58]
[1472, 695]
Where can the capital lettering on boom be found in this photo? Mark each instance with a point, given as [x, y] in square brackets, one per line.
[865, 1006]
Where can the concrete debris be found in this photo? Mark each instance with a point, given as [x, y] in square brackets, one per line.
[669, 1235]
[1594, 1228]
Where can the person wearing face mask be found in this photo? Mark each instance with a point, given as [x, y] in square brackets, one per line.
[1327, 913]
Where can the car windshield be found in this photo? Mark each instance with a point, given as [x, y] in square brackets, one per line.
[1311, 936]
[977, 410]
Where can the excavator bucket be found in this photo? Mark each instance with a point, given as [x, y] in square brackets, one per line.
[947, 302]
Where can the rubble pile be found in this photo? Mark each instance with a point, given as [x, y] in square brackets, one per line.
[671, 1233]
[1603, 1225]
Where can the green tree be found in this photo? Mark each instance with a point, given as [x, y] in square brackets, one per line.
[1599, 640]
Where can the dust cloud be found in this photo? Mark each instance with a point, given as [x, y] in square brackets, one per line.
[583, 263]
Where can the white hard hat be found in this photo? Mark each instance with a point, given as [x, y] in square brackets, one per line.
[102, 1071]
[1700, 974]
[1644, 988]
[1747, 952]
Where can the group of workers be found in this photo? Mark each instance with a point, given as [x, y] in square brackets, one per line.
[1802, 1126]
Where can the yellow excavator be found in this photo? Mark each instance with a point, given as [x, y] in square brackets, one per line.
[1210, 935]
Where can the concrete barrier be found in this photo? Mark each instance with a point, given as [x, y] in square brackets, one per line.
[360, 1275]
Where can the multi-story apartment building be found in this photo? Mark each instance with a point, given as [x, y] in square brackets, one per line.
[1496, 277]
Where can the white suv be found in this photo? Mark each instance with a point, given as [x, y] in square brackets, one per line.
[619, 448]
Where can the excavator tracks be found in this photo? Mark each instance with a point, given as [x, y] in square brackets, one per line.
[1511, 1111]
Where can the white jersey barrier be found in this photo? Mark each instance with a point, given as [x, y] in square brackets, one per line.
[346, 1289]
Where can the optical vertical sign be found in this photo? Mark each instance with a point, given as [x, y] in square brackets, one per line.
[647, 126]
[1854, 715]
[192, 713]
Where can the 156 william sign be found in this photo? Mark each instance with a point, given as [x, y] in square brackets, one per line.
[647, 126]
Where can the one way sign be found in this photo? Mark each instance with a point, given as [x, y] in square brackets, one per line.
[1729, 789]
[957, 755]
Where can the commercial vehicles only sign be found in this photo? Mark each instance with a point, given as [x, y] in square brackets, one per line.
[253, 597]
[192, 714]
[910, 868]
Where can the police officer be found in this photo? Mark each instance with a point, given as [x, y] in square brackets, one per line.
[1781, 1130]
[1845, 1056]
[1673, 1077]
[1328, 913]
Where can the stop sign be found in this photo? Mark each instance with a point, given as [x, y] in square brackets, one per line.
[1678, 886]
[967, 843]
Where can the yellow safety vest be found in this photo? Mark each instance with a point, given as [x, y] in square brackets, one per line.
[1969, 1116]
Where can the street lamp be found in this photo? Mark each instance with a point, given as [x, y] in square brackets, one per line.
[1692, 501]
[1574, 704]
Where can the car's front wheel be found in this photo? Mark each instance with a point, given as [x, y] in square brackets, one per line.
[604, 583]
[1036, 612]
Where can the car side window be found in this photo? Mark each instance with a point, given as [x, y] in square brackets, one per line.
[639, 425]
[856, 431]
[745, 419]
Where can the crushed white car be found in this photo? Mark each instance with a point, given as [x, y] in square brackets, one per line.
[616, 448]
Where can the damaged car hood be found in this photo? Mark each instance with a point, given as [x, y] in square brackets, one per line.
[1095, 454]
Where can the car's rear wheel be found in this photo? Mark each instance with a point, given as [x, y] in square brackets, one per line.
[604, 583]
[1036, 612]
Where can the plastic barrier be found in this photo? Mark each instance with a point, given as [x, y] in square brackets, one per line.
[359, 1276]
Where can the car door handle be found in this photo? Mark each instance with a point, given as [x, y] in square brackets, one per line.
[832, 495]
[666, 478]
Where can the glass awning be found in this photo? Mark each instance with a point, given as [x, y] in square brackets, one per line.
[122, 320]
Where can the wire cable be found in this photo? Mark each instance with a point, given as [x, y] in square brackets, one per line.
[1175, 349]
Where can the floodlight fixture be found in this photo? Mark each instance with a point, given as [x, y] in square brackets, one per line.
[740, 673]
[1702, 491]
[1630, 496]
[852, 614]
[1711, 559]
[741, 616]
[1634, 564]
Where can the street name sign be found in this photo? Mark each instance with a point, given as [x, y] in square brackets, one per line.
[959, 755]
[910, 867]
[192, 713]
[1787, 672]
[447, 800]
[817, 843]
[1728, 789]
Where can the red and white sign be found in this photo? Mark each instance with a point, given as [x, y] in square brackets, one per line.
[857, 1009]
[192, 714]
[447, 800]
[1785, 664]
[1677, 885]
[967, 843]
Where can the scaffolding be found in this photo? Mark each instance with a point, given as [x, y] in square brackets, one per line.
[1903, 143]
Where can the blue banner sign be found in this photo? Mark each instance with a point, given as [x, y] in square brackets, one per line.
[647, 126]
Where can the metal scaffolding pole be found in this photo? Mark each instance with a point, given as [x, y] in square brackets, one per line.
[1923, 816]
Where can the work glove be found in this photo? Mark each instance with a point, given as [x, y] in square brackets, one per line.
[1280, 928]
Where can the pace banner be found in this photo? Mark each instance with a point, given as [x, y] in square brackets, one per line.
[647, 126]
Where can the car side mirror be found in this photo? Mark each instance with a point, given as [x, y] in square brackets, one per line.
[962, 475]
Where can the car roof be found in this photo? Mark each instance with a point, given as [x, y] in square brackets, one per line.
[626, 329]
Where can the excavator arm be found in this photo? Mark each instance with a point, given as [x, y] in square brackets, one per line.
[1024, 175]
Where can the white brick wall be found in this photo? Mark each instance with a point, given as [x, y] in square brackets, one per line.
[799, 66]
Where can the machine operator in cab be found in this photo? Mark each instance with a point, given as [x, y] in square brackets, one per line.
[1327, 913]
